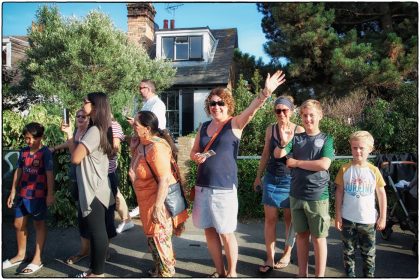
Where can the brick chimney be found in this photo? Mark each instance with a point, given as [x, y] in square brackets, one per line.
[165, 24]
[141, 24]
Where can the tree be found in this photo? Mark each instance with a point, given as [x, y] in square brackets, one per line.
[69, 57]
[338, 48]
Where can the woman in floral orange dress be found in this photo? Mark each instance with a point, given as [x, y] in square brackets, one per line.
[151, 175]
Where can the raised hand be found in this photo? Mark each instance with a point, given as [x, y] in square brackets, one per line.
[272, 82]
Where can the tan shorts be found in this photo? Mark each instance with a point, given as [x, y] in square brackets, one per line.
[310, 215]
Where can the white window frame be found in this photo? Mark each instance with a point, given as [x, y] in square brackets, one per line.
[188, 43]
[7, 45]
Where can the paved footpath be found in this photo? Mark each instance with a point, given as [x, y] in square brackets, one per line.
[129, 256]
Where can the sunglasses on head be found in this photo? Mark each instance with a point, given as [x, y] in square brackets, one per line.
[279, 111]
[214, 103]
[81, 116]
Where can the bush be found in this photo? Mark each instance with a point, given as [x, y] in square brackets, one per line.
[340, 131]
[63, 213]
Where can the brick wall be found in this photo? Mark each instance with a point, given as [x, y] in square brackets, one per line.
[184, 148]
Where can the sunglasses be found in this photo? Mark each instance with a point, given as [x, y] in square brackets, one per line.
[279, 111]
[86, 102]
[81, 117]
[142, 88]
[214, 103]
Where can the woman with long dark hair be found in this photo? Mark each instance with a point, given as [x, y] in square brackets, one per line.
[95, 196]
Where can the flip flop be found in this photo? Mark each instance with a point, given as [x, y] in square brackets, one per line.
[281, 264]
[8, 264]
[267, 269]
[75, 259]
[32, 268]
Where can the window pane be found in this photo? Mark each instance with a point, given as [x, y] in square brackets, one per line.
[181, 40]
[168, 47]
[181, 48]
[196, 47]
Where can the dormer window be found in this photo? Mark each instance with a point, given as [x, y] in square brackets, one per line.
[182, 48]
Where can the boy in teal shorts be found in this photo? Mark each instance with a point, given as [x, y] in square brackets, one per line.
[34, 177]
[309, 156]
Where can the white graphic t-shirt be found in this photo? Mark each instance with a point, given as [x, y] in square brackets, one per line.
[360, 185]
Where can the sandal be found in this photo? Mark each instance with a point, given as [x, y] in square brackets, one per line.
[75, 259]
[266, 269]
[216, 275]
[81, 275]
[31, 268]
[281, 264]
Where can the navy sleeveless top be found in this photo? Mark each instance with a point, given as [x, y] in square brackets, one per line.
[277, 166]
[219, 171]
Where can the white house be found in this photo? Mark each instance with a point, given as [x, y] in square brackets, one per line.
[202, 56]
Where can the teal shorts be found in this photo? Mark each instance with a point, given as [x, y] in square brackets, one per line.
[310, 215]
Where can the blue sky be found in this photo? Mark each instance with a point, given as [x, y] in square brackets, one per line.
[17, 17]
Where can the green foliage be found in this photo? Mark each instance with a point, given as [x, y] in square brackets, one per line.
[63, 212]
[12, 130]
[252, 141]
[377, 51]
[249, 201]
[69, 57]
[394, 124]
[340, 132]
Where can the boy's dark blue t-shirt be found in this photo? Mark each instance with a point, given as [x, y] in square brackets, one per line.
[306, 184]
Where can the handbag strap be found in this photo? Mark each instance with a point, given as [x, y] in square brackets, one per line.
[151, 170]
[215, 135]
[174, 167]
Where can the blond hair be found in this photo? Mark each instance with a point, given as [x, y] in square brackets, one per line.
[311, 103]
[364, 136]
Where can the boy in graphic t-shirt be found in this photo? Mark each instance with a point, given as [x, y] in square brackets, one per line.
[356, 183]
[309, 156]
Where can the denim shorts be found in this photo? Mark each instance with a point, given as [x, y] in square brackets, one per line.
[36, 207]
[216, 208]
[276, 190]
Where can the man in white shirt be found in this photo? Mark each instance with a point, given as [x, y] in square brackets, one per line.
[151, 102]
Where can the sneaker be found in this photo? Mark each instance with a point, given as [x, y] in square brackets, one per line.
[134, 213]
[123, 226]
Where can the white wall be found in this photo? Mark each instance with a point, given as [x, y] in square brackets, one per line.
[200, 115]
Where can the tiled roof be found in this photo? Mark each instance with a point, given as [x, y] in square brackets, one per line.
[217, 71]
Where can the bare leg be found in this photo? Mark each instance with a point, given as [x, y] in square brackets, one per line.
[320, 250]
[20, 225]
[84, 246]
[231, 251]
[41, 236]
[287, 248]
[122, 208]
[270, 221]
[215, 248]
[302, 242]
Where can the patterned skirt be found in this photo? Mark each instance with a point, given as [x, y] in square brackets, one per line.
[160, 245]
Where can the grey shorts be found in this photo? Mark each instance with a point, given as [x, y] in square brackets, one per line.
[215, 208]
